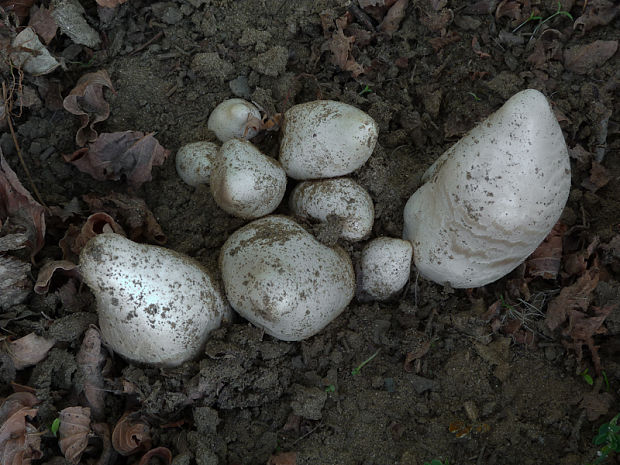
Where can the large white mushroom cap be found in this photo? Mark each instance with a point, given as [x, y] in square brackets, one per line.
[279, 277]
[326, 139]
[491, 199]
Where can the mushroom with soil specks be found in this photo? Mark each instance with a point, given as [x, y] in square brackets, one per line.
[492, 198]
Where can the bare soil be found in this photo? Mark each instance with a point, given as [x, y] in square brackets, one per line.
[479, 395]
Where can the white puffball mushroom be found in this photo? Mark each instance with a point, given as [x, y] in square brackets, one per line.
[280, 278]
[234, 118]
[194, 162]
[384, 268]
[326, 139]
[493, 197]
[341, 197]
[155, 305]
[246, 183]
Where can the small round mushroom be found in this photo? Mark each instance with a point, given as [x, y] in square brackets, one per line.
[326, 139]
[341, 197]
[280, 278]
[492, 198]
[384, 268]
[194, 162]
[234, 118]
[155, 305]
[246, 183]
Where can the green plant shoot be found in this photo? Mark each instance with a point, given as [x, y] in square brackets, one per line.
[55, 426]
[609, 437]
[586, 377]
[358, 369]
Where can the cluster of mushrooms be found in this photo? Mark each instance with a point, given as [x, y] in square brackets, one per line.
[486, 204]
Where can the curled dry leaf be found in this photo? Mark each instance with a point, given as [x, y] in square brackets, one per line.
[131, 435]
[340, 46]
[90, 360]
[73, 432]
[29, 350]
[17, 204]
[132, 212]
[86, 100]
[20, 442]
[162, 453]
[47, 272]
[394, 16]
[597, 13]
[546, 259]
[75, 239]
[130, 154]
[583, 58]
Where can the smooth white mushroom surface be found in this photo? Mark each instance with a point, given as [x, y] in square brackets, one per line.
[280, 278]
[341, 197]
[491, 199]
[384, 268]
[326, 139]
[246, 183]
[155, 305]
[194, 162]
[234, 118]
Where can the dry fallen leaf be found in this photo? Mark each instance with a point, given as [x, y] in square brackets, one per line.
[583, 58]
[131, 435]
[394, 16]
[113, 156]
[440, 42]
[132, 212]
[546, 259]
[29, 350]
[47, 272]
[73, 432]
[17, 204]
[43, 23]
[437, 21]
[86, 100]
[599, 177]
[576, 296]
[509, 8]
[340, 46]
[20, 443]
[21, 8]
[76, 238]
[598, 13]
[162, 453]
[90, 360]
[583, 327]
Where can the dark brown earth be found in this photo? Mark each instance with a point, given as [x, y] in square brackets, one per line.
[480, 395]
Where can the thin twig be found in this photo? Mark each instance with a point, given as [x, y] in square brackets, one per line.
[8, 107]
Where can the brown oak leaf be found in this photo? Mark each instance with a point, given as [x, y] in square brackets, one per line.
[117, 155]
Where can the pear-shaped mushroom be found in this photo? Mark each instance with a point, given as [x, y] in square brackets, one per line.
[491, 199]
[155, 305]
[234, 118]
[279, 277]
